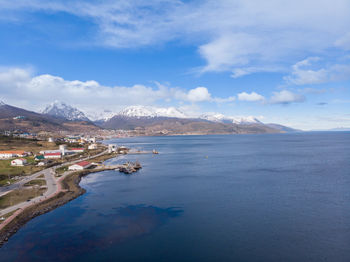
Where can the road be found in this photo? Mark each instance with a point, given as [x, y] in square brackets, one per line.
[51, 183]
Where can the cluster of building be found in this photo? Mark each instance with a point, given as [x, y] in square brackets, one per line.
[12, 154]
[79, 139]
[61, 151]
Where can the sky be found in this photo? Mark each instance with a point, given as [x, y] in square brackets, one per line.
[285, 62]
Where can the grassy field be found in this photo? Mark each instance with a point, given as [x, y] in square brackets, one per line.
[36, 182]
[8, 172]
[29, 145]
[61, 169]
[19, 195]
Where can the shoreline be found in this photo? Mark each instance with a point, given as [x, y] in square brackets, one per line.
[68, 190]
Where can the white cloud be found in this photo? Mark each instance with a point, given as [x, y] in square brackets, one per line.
[20, 87]
[286, 97]
[199, 94]
[252, 97]
[303, 74]
[230, 34]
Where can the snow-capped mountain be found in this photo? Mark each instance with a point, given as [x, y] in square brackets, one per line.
[216, 117]
[2, 103]
[150, 112]
[100, 116]
[60, 109]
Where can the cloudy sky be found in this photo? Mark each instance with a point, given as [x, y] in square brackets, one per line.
[285, 61]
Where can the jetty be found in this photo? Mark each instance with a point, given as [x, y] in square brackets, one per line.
[130, 167]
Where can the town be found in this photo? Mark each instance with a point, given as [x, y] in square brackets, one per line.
[34, 170]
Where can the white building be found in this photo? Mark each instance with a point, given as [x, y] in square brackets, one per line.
[63, 149]
[19, 162]
[112, 148]
[80, 166]
[92, 146]
[53, 155]
[6, 155]
[51, 140]
[11, 154]
[78, 150]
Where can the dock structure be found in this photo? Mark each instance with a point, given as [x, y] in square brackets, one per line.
[126, 168]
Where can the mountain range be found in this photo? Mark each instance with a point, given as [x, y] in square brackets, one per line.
[15, 118]
[62, 110]
[144, 120]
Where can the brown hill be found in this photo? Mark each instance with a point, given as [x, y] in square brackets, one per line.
[14, 118]
[181, 126]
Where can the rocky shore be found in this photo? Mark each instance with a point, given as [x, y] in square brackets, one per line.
[70, 190]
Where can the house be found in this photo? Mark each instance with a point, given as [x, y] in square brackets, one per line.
[77, 150]
[112, 148]
[80, 166]
[19, 162]
[92, 146]
[10, 154]
[53, 155]
[6, 155]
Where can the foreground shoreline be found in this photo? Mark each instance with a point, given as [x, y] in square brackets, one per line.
[68, 191]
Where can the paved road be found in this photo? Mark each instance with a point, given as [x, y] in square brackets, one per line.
[4, 190]
[51, 183]
[52, 188]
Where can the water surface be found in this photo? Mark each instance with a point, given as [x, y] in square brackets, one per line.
[278, 197]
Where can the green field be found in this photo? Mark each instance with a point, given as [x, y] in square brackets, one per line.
[19, 195]
[8, 172]
[36, 182]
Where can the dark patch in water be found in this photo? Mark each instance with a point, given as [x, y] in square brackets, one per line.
[123, 224]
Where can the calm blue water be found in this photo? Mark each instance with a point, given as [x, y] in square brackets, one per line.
[206, 198]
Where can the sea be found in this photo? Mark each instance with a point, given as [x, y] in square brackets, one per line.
[268, 197]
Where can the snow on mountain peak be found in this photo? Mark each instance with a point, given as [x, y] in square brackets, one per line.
[2, 103]
[103, 115]
[217, 117]
[150, 112]
[61, 109]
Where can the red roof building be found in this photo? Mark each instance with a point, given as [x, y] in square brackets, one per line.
[80, 166]
[53, 155]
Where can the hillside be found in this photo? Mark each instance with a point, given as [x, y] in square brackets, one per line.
[173, 126]
[14, 118]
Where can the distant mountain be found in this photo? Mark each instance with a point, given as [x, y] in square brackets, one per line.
[337, 129]
[150, 112]
[155, 120]
[15, 118]
[283, 128]
[138, 119]
[181, 126]
[101, 116]
[62, 110]
[216, 117]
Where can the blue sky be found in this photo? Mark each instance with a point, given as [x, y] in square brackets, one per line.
[286, 62]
